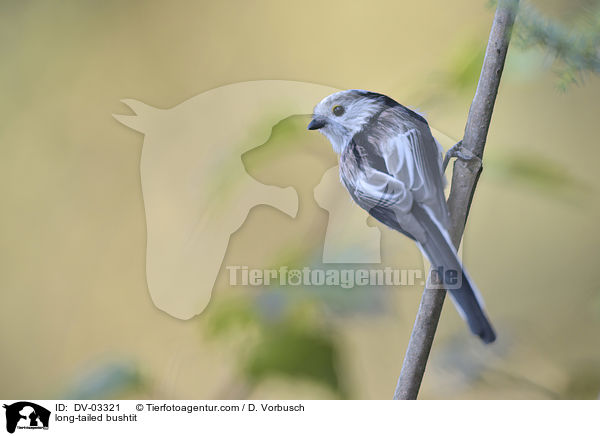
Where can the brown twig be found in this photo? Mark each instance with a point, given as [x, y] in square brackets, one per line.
[464, 181]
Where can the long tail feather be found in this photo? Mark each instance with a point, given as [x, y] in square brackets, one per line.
[440, 252]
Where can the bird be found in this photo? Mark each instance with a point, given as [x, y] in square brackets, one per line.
[392, 166]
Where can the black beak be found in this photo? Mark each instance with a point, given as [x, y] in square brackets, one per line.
[316, 124]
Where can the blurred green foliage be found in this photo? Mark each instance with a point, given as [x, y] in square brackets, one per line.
[285, 342]
[293, 351]
[230, 315]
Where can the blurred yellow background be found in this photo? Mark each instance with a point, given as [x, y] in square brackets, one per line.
[76, 316]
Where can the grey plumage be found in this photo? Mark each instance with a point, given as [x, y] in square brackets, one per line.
[392, 167]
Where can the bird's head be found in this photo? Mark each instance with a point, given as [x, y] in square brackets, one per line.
[341, 115]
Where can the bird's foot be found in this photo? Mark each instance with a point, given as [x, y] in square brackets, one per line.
[459, 152]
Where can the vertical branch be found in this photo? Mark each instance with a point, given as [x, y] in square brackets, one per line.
[464, 182]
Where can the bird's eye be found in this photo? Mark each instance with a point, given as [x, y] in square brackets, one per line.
[338, 110]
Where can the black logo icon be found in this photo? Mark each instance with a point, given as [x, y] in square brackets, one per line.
[24, 414]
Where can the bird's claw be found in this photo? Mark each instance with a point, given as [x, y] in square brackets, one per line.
[459, 152]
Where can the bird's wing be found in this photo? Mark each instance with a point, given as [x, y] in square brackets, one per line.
[411, 155]
[387, 198]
